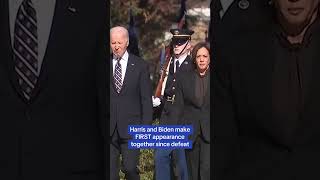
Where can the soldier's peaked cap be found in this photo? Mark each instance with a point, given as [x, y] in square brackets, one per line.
[181, 33]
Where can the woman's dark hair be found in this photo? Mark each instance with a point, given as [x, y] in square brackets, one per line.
[196, 49]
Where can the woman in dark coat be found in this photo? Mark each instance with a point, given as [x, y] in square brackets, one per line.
[192, 107]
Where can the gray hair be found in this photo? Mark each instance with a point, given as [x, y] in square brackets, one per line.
[120, 29]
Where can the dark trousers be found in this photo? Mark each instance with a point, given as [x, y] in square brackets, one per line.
[198, 160]
[130, 159]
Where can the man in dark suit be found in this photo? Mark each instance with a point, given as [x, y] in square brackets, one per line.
[266, 99]
[179, 62]
[130, 102]
[52, 68]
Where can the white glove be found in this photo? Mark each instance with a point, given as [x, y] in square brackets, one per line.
[155, 101]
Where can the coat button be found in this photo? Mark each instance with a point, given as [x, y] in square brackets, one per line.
[174, 80]
[244, 4]
[173, 88]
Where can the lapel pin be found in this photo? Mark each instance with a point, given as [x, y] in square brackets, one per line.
[72, 9]
[132, 64]
[244, 4]
[186, 62]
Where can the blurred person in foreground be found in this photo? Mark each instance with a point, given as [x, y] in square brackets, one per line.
[53, 98]
[266, 98]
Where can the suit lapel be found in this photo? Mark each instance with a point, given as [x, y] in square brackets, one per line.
[171, 67]
[8, 57]
[61, 14]
[128, 74]
[51, 50]
[111, 74]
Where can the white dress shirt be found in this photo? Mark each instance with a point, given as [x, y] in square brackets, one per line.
[123, 62]
[180, 59]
